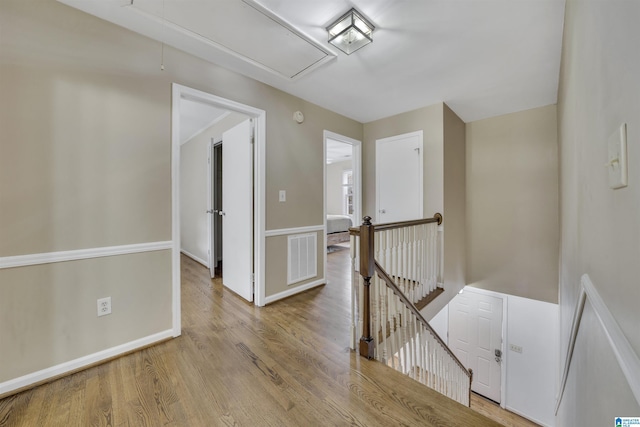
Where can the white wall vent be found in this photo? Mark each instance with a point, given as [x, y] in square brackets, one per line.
[303, 259]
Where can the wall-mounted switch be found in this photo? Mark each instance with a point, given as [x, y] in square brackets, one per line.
[282, 196]
[617, 158]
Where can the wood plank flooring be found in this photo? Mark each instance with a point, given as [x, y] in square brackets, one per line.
[287, 364]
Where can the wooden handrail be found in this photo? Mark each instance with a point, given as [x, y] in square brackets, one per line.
[355, 231]
[390, 283]
[369, 267]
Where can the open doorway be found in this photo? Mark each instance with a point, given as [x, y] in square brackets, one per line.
[342, 191]
[244, 129]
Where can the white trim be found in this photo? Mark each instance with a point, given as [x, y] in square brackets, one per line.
[529, 417]
[294, 290]
[505, 355]
[82, 362]
[79, 254]
[176, 96]
[296, 230]
[625, 355]
[195, 258]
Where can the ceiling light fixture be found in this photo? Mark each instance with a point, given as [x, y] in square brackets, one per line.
[350, 32]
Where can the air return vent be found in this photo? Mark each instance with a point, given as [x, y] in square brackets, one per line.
[303, 258]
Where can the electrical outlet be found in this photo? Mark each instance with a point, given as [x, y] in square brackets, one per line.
[515, 348]
[104, 306]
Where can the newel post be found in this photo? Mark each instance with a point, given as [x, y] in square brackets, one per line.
[367, 270]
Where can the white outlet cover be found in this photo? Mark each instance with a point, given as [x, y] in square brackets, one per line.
[617, 158]
[104, 306]
[515, 348]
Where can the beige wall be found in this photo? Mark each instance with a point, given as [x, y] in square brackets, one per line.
[444, 182]
[85, 162]
[599, 90]
[429, 120]
[194, 232]
[512, 204]
[454, 210]
[48, 311]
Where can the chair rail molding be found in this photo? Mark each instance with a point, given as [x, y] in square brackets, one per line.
[625, 355]
[79, 254]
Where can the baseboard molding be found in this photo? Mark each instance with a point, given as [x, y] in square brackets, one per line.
[44, 375]
[79, 254]
[625, 355]
[195, 258]
[294, 290]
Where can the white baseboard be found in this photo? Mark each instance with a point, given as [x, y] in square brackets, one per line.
[294, 290]
[540, 423]
[81, 362]
[195, 258]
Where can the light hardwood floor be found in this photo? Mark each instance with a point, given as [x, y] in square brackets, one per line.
[287, 364]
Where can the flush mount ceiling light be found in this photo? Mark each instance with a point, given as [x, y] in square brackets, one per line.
[350, 32]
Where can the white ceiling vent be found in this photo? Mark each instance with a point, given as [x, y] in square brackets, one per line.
[241, 28]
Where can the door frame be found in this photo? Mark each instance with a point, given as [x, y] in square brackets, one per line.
[505, 356]
[212, 181]
[180, 92]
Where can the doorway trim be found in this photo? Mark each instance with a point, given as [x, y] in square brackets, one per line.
[180, 92]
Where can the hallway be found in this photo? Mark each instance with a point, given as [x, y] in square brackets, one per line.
[235, 364]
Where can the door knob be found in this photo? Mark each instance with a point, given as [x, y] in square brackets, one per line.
[221, 213]
[210, 211]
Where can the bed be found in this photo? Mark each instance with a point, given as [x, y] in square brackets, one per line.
[338, 229]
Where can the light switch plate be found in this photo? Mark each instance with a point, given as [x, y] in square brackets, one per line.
[617, 158]
[282, 196]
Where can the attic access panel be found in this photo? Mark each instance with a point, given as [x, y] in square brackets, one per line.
[243, 29]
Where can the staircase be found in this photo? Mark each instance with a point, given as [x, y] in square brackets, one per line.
[398, 269]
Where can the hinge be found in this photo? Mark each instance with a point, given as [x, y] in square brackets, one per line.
[253, 130]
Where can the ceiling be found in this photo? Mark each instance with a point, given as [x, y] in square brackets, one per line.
[196, 117]
[482, 57]
[338, 151]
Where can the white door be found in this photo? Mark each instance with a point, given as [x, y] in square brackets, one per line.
[475, 336]
[399, 178]
[211, 210]
[237, 210]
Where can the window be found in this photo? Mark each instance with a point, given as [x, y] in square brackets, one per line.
[347, 192]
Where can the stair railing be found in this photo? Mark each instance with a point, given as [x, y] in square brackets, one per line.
[399, 266]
